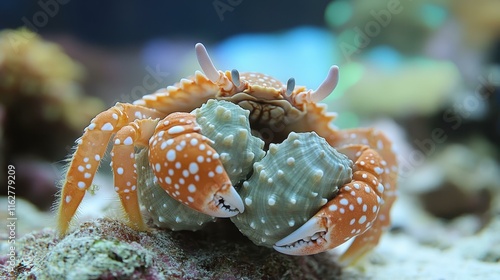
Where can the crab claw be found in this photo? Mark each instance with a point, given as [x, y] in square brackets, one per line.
[334, 224]
[306, 240]
[225, 203]
[351, 213]
[189, 169]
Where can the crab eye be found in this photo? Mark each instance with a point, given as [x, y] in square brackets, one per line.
[290, 85]
[235, 75]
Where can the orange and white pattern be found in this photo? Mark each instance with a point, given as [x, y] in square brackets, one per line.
[192, 172]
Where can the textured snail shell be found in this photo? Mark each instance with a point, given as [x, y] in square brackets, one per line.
[165, 211]
[228, 126]
[289, 185]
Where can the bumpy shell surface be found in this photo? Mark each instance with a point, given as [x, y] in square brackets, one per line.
[228, 126]
[165, 211]
[289, 185]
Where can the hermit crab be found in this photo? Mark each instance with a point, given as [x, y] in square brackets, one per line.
[247, 147]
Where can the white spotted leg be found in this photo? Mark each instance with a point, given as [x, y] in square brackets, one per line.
[349, 214]
[365, 242]
[124, 167]
[89, 151]
[189, 169]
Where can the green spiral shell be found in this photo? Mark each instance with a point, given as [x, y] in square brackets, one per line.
[289, 185]
[227, 125]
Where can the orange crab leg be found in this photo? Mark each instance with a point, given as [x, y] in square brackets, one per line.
[90, 150]
[349, 214]
[189, 169]
[365, 242]
[379, 142]
[124, 167]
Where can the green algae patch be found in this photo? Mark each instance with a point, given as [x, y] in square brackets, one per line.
[91, 257]
[108, 249]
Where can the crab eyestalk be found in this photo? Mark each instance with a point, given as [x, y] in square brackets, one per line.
[235, 75]
[290, 86]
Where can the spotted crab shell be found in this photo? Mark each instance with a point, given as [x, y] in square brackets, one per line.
[228, 127]
[289, 185]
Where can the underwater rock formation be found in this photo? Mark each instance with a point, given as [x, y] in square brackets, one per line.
[107, 249]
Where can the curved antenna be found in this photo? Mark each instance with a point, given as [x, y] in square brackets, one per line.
[290, 86]
[327, 86]
[235, 75]
[206, 63]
